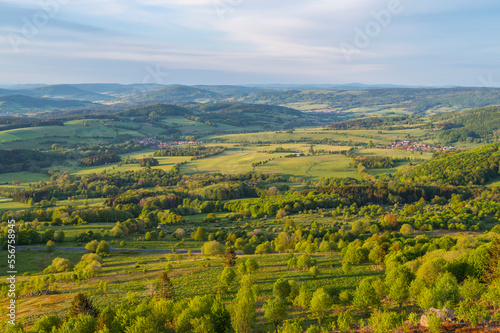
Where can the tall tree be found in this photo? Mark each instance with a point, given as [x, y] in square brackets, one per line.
[320, 303]
[229, 258]
[82, 305]
[164, 287]
[220, 317]
[275, 311]
[492, 270]
[243, 310]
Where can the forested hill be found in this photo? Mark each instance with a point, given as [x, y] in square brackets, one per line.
[243, 115]
[155, 111]
[471, 124]
[19, 103]
[471, 167]
[235, 114]
[175, 94]
[420, 100]
[14, 160]
[385, 123]
[234, 108]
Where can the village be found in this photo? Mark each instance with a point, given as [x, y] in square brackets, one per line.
[152, 141]
[415, 146]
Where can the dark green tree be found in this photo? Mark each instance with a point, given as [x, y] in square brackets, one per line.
[275, 311]
[229, 258]
[82, 305]
[220, 316]
[491, 271]
[164, 287]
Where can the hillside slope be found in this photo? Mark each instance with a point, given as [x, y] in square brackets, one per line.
[469, 124]
[471, 167]
[19, 104]
[65, 91]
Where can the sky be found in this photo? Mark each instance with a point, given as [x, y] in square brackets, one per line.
[404, 42]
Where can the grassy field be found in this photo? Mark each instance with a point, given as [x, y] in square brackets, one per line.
[130, 275]
[378, 137]
[133, 273]
[24, 177]
[73, 132]
[240, 160]
[8, 204]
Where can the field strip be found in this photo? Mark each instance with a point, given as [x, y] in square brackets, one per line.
[113, 249]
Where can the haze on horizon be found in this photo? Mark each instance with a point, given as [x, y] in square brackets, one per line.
[404, 42]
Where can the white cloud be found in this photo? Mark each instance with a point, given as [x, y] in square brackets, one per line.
[282, 38]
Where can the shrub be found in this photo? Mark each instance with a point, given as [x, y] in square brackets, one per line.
[290, 326]
[434, 323]
[407, 230]
[264, 248]
[92, 246]
[103, 248]
[345, 320]
[141, 325]
[314, 272]
[473, 313]
[45, 324]
[413, 318]
[117, 232]
[50, 246]
[154, 235]
[345, 296]
[59, 237]
[59, 265]
[471, 289]
[382, 322]
[89, 266]
[80, 324]
[212, 248]
[313, 329]
[346, 267]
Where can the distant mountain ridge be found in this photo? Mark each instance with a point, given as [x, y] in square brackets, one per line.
[118, 90]
[16, 103]
[155, 111]
[176, 94]
[322, 98]
[65, 91]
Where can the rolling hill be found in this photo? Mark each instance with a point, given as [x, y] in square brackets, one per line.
[20, 104]
[244, 115]
[118, 90]
[155, 111]
[65, 91]
[466, 125]
[5, 92]
[232, 90]
[412, 100]
[175, 94]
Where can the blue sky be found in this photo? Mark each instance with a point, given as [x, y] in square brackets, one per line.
[446, 42]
